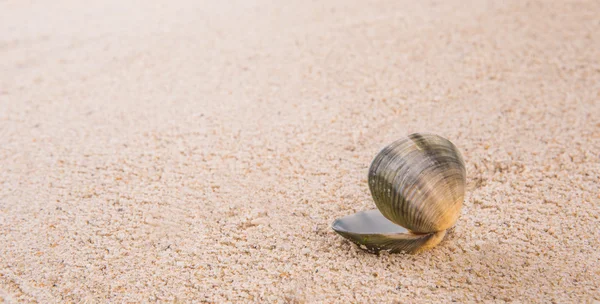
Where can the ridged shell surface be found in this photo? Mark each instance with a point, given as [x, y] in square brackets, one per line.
[418, 182]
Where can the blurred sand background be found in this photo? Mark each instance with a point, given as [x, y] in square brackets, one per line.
[198, 151]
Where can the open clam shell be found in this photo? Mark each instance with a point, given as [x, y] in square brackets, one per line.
[418, 185]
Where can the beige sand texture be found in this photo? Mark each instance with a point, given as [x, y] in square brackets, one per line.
[199, 151]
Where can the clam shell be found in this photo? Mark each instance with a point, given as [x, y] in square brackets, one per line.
[418, 185]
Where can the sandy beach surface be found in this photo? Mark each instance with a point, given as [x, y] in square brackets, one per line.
[198, 151]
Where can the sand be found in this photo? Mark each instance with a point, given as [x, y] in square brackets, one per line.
[199, 152]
